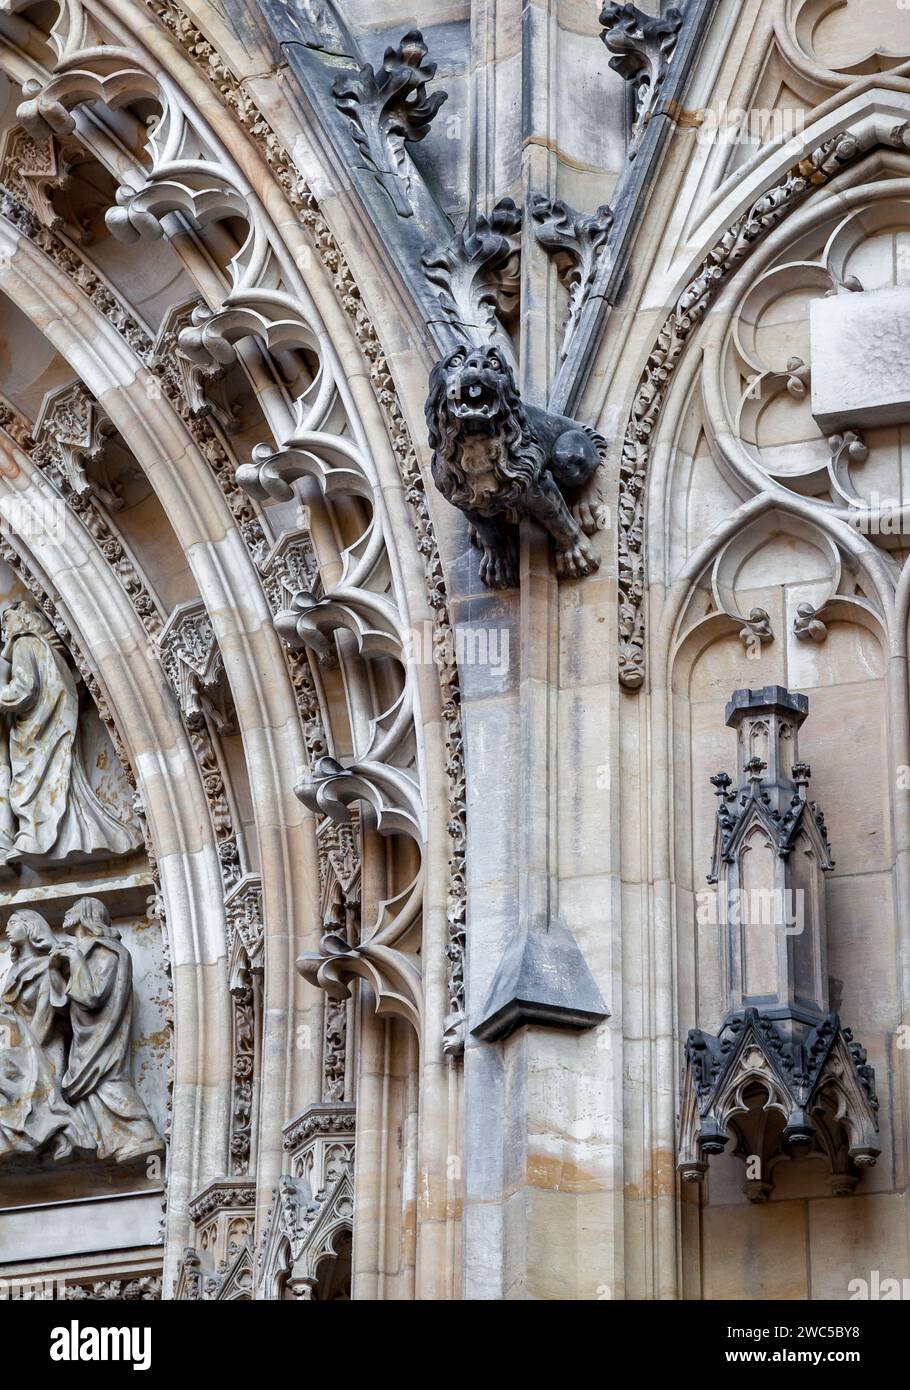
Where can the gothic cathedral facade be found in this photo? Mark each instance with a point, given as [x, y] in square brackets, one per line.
[454, 756]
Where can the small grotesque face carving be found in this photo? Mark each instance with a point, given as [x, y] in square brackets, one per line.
[475, 382]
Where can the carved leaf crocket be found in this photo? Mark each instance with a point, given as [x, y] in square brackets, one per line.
[499, 460]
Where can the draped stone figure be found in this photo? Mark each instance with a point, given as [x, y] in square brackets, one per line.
[33, 1113]
[47, 805]
[66, 1008]
[100, 993]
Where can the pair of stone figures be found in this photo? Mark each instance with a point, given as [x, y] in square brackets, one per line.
[65, 1015]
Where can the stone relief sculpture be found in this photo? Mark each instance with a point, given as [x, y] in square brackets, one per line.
[33, 1114]
[65, 1015]
[47, 805]
[499, 460]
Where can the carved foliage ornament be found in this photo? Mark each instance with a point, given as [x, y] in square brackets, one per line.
[243, 1070]
[243, 915]
[388, 107]
[576, 243]
[478, 275]
[339, 883]
[147, 1288]
[643, 46]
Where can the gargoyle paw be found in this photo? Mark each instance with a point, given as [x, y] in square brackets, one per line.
[578, 560]
[590, 515]
[498, 571]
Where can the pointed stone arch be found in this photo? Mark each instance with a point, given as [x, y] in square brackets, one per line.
[285, 293]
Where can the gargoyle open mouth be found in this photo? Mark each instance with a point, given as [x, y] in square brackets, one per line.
[472, 398]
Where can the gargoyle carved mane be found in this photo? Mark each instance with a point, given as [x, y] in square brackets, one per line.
[516, 459]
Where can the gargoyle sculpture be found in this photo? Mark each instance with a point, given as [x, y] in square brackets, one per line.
[499, 460]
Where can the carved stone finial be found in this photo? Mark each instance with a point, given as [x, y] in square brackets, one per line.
[801, 772]
[756, 629]
[807, 625]
[497, 459]
[643, 46]
[576, 242]
[754, 769]
[388, 107]
[779, 1048]
[478, 273]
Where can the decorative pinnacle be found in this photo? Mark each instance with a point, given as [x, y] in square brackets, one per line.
[801, 772]
[721, 782]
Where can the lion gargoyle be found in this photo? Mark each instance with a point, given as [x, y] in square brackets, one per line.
[499, 460]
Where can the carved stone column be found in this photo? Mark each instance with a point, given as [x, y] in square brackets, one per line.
[243, 909]
[535, 1010]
